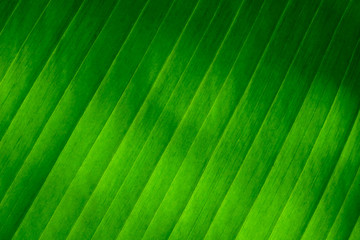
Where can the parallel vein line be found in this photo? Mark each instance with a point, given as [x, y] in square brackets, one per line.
[26, 38]
[184, 115]
[109, 69]
[231, 114]
[170, 95]
[323, 57]
[312, 150]
[9, 17]
[247, 89]
[165, 63]
[346, 142]
[82, 62]
[116, 105]
[17, 172]
[46, 63]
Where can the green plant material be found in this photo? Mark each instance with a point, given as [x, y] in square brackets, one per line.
[180, 119]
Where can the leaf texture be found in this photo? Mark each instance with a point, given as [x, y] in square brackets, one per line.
[180, 119]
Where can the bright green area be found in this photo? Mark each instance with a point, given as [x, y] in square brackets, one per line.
[180, 119]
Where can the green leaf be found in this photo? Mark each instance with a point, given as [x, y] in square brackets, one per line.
[179, 119]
